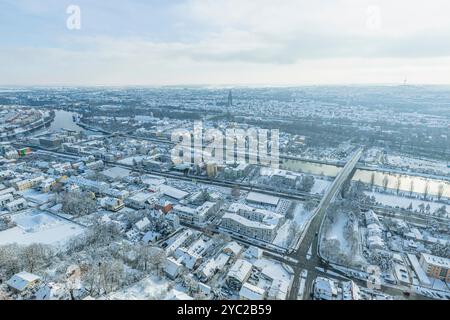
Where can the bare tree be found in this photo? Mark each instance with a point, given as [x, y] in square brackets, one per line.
[372, 179]
[411, 187]
[78, 203]
[385, 182]
[158, 258]
[426, 190]
[10, 262]
[35, 256]
[397, 184]
[440, 191]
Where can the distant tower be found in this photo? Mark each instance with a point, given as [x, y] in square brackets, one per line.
[229, 104]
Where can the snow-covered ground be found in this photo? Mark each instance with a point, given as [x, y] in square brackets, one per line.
[404, 202]
[39, 227]
[320, 186]
[339, 248]
[300, 217]
[418, 164]
[282, 235]
[35, 196]
[337, 232]
[149, 288]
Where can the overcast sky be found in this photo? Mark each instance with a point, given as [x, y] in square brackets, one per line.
[236, 42]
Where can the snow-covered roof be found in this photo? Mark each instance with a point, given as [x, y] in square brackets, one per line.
[325, 287]
[116, 172]
[172, 267]
[246, 222]
[6, 196]
[178, 295]
[234, 247]
[268, 217]
[184, 209]
[213, 265]
[240, 270]
[371, 217]
[150, 236]
[436, 261]
[179, 241]
[141, 197]
[50, 291]
[374, 227]
[253, 252]
[375, 241]
[22, 280]
[350, 291]
[173, 192]
[423, 278]
[142, 224]
[262, 198]
[251, 292]
[204, 208]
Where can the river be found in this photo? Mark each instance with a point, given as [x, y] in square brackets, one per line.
[407, 183]
[404, 182]
[64, 120]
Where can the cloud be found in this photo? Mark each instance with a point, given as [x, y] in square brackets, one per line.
[227, 41]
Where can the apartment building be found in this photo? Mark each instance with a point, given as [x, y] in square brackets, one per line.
[252, 222]
[435, 267]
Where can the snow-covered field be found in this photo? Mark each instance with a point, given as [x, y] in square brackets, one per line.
[336, 243]
[337, 232]
[39, 227]
[149, 288]
[418, 164]
[282, 235]
[403, 202]
[301, 217]
[320, 186]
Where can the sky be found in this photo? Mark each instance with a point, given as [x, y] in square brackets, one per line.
[224, 42]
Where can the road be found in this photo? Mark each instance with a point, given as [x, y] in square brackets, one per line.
[301, 196]
[306, 256]
[307, 252]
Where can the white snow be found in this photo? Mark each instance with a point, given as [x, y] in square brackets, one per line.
[301, 215]
[129, 161]
[282, 235]
[149, 288]
[35, 196]
[337, 232]
[320, 186]
[273, 269]
[39, 227]
[404, 202]
[414, 163]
